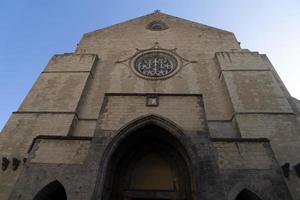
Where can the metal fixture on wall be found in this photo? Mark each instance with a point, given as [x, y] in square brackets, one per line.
[5, 163]
[286, 169]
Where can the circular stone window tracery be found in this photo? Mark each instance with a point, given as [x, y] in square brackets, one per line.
[155, 65]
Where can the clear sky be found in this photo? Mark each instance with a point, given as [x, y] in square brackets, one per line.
[31, 31]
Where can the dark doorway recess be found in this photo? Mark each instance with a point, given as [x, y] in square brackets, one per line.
[149, 164]
[247, 195]
[53, 191]
[147, 199]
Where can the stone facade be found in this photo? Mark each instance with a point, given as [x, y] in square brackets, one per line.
[221, 126]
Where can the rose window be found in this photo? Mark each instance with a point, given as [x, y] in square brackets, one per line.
[155, 64]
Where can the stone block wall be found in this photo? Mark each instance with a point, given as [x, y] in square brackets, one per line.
[66, 160]
[50, 108]
[117, 43]
[121, 109]
[243, 155]
[81, 95]
[59, 151]
[262, 107]
[251, 84]
[250, 164]
[71, 63]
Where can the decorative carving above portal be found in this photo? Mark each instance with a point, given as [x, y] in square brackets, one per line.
[155, 63]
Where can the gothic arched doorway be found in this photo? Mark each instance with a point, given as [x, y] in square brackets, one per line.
[247, 195]
[53, 191]
[148, 164]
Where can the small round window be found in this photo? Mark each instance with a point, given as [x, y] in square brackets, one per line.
[157, 26]
[155, 65]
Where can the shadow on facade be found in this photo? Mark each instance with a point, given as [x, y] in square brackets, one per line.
[149, 163]
[247, 195]
[53, 191]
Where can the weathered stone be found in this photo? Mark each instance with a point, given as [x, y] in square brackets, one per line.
[90, 120]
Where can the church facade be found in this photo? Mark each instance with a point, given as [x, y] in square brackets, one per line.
[157, 107]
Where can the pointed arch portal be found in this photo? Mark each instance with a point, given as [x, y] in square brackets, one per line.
[149, 163]
[247, 195]
[53, 191]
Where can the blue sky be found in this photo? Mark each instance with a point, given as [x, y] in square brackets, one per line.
[31, 31]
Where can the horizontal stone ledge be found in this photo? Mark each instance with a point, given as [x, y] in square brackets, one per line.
[44, 112]
[57, 137]
[240, 140]
[83, 71]
[159, 94]
[69, 72]
[75, 54]
[239, 51]
[220, 120]
[61, 137]
[87, 119]
[263, 113]
[224, 70]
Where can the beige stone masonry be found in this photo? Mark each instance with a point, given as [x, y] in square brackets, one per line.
[22, 128]
[56, 151]
[251, 84]
[55, 92]
[71, 63]
[243, 155]
[255, 91]
[186, 111]
[242, 61]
